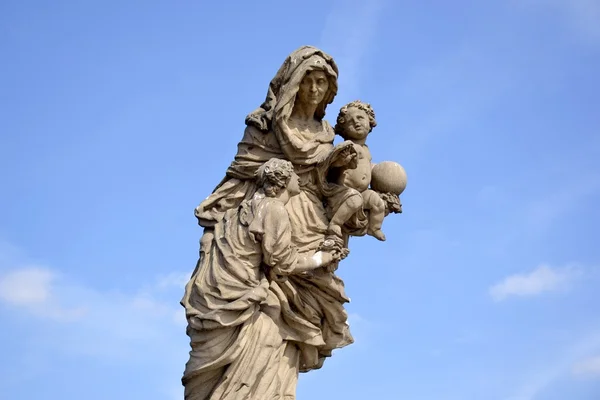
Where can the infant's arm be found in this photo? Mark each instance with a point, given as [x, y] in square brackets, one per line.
[360, 177]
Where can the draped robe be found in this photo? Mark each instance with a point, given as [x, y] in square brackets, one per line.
[307, 309]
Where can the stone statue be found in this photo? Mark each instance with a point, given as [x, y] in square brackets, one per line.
[355, 121]
[264, 303]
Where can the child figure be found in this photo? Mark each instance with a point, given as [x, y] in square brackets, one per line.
[354, 122]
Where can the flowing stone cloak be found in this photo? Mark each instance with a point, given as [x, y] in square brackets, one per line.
[312, 303]
[245, 335]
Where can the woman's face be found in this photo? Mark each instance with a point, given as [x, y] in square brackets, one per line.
[313, 88]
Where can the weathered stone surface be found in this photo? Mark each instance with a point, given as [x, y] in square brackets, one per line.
[389, 176]
[264, 303]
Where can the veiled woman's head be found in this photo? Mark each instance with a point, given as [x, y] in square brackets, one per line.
[311, 78]
[302, 69]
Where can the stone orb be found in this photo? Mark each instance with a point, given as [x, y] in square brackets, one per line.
[388, 177]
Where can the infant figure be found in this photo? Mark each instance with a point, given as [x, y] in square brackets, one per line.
[354, 123]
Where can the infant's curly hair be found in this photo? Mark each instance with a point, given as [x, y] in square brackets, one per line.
[274, 175]
[341, 119]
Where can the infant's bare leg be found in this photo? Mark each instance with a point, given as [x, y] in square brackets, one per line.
[351, 205]
[376, 207]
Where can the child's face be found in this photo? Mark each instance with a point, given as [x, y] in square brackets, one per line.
[293, 186]
[356, 124]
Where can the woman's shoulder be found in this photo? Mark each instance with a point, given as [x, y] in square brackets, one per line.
[252, 133]
[327, 131]
[254, 136]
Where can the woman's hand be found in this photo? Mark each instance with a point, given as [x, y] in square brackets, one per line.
[337, 256]
[343, 253]
[347, 156]
[327, 258]
[321, 258]
[329, 254]
[350, 161]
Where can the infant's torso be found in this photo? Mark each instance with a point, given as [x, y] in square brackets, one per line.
[360, 177]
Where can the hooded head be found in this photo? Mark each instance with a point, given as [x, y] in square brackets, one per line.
[281, 95]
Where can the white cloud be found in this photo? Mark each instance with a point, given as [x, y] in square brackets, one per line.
[542, 279]
[105, 324]
[26, 287]
[109, 324]
[33, 288]
[143, 326]
[588, 368]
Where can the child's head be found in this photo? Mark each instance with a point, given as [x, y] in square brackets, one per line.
[276, 175]
[355, 121]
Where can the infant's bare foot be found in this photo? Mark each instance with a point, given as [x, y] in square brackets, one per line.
[335, 230]
[378, 234]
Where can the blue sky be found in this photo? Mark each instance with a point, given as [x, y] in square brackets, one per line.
[118, 118]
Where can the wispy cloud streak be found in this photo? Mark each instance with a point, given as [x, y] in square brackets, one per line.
[540, 280]
[348, 34]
